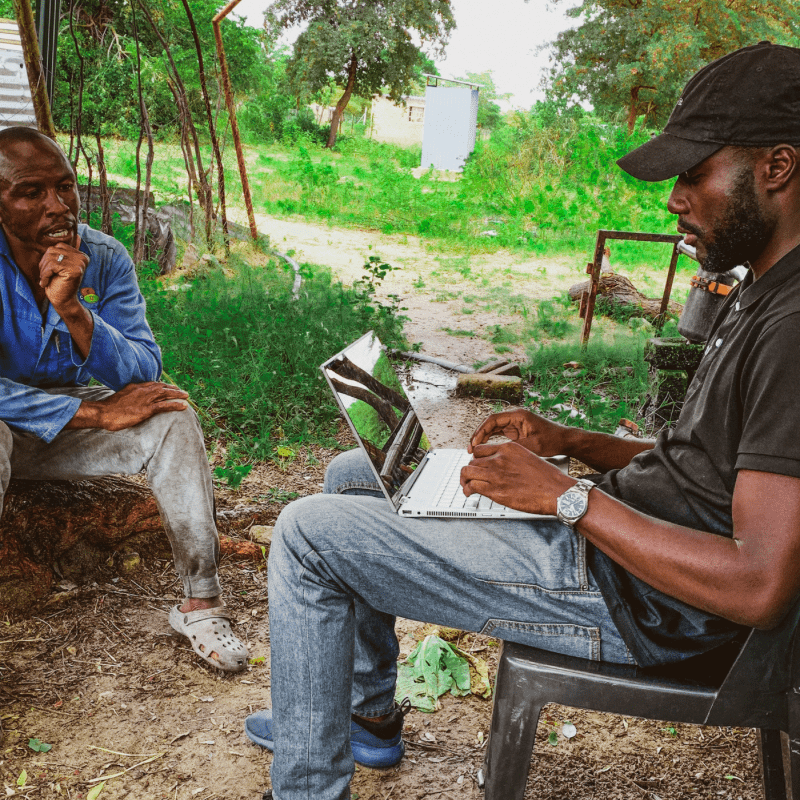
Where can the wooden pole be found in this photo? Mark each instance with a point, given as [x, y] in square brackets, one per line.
[33, 65]
[237, 141]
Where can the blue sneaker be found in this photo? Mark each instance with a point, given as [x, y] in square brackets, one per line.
[375, 744]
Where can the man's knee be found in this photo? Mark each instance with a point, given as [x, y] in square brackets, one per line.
[350, 472]
[179, 427]
[314, 524]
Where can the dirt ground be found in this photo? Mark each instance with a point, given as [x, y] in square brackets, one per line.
[125, 704]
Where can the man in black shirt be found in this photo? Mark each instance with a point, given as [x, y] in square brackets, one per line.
[677, 546]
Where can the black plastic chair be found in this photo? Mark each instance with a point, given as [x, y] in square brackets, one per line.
[757, 685]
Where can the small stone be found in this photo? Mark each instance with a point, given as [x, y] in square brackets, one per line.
[131, 562]
[261, 534]
[190, 257]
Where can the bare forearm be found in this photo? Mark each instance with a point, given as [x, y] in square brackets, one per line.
[705, 570]
[88, 415]
[601, 451]
[135, 403]
[80, 325]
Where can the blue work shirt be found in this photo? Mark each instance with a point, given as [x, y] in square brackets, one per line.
[37, 353]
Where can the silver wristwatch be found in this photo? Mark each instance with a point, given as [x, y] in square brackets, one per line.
[574, 503]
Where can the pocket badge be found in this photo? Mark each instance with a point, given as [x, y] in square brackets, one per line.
[89, 295]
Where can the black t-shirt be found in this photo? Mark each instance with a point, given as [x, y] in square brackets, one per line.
[741, 412]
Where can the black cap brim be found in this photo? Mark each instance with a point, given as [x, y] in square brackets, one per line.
[666, 156]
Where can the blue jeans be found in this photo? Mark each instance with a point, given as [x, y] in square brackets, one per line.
[342, 564]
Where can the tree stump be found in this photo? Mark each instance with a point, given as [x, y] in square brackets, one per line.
[616, 292]
[70, 530]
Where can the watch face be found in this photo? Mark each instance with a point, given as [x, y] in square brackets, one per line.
[572, 504]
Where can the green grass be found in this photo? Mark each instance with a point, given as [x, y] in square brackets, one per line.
[543, 188]
[249, 355]
[611, 381]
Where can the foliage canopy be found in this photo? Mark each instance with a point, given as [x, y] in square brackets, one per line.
[103, 33]
[637, 55]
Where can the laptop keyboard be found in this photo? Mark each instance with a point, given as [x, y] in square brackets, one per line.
[451, 495]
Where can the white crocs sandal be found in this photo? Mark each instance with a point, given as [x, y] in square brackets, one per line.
[209, 631]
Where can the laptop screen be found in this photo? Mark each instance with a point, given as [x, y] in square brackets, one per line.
[372, 398]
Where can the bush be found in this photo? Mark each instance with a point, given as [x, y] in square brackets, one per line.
[249, 355]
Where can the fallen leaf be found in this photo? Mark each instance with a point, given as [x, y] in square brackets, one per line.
[23, 778]
[39, 746]
[94, 792]
[733, 778]
[552, 738]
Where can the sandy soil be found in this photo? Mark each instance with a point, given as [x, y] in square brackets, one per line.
[100, 676]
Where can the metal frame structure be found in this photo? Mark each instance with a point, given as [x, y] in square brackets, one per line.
[593, 268]
[437, 78]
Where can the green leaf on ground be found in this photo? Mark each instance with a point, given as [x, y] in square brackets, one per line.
[94, 792]
[39, 746]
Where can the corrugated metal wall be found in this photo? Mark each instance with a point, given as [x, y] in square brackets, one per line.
[451, 118]
[16, 106]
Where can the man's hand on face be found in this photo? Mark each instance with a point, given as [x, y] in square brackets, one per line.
[135, 403]
[62, 278]
[534, 433]
[513, 476]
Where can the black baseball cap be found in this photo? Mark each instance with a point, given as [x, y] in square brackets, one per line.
[750, 98]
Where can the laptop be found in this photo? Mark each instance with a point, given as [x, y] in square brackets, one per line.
[418, 480]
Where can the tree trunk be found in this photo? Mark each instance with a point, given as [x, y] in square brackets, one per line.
[204, 190]
[70, 530]
[80, 531]
[634, 106]
[212, 128]
[102, 176]
[632, 109]
[617, 292]
[343, 101]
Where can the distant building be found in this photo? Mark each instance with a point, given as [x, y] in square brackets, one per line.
[450, 126]
[399, 123]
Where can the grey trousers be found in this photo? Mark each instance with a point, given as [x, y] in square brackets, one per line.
[168, 446]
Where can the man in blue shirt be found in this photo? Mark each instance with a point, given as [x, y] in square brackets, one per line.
[70, 311]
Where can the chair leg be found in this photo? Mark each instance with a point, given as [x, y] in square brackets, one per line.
[770, 756]
[515, 715]
[508, 754]
[792, 752]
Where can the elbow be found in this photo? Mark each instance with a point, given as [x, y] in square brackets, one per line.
[765, 610]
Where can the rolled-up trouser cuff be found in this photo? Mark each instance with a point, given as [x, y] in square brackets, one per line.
[201, 587]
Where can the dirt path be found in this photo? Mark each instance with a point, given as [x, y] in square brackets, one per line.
[433, 282]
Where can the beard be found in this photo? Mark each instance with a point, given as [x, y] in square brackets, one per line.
[743, 231]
